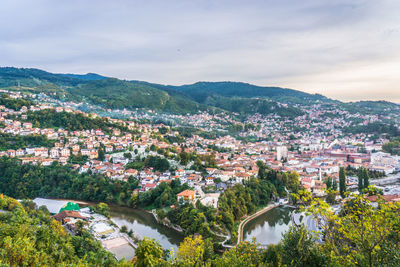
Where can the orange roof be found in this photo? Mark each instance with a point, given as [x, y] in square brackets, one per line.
[187, 193]
[387, 198]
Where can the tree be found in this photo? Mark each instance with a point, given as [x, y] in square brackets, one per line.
[293, 181]
[298, 248]
[328, 183]
[261, 169]
[366, 178]
[163, 130]
[342, 182]
[34, 239]
[334, 184]
[101, 154]
[331, 196]
[360, 175]
[184, 158]
[128, 155]
[361, 234]
[244, 254]
[103, 208]
[149, 253]
[191, 251]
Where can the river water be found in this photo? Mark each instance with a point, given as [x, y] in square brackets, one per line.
[144, 224]
[266, 229]
[269, 227]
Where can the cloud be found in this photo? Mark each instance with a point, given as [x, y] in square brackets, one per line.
[346, 51]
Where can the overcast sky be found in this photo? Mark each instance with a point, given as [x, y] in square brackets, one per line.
[346, 50]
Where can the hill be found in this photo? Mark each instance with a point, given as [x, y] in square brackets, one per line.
[238, 97]
[86, 77]
[114, 93]
[200, 91]
[28, 77]
[372, 107]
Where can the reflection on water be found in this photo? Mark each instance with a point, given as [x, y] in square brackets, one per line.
[269, 227]
[144, 224]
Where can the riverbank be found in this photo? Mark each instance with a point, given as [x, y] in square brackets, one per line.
[141, 222]
[110, 235]
[251, 217]
[166, 222]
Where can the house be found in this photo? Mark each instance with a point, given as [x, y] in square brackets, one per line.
[28, 125]
[54, 153]
[46, 162]
[209, 180]
[20, 152]
[149, 186]
[84, 168]
[180, 172]
[183, 179]
[131, 172]
[186, 196]
[67, 215]
[65, 152]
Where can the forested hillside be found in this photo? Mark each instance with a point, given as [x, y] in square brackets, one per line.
[200, 91]
[114, 93]
[242, 98]
[30, 237]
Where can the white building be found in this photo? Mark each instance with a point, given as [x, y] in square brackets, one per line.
[281, 152]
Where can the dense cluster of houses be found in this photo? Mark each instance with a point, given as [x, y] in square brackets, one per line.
[315, 155]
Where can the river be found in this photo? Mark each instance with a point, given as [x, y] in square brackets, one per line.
[269, 227]
[144, 224]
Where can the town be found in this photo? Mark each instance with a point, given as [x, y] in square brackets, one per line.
[206, 153]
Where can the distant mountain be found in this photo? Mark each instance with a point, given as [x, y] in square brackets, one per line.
[27, 77]
[238, 97]
[200, 91]
[372, 107]
[114, 93]
[87, 77]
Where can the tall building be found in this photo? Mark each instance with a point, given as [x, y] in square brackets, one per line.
[281, 152]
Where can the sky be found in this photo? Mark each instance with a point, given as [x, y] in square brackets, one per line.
[343, 49]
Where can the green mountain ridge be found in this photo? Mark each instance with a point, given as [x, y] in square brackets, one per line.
[238, 97]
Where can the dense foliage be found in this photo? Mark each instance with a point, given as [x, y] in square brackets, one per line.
[30, 181]
[361, 235]
[252, 105]
[49, 118]
[372, 107]
[114, 93]
[118, 94]
[239, 200]
[200, 91]
[30, 237]
[377, 128]
[15, 104]
[393, 147]
[351, 171]
[163, 195]
[235, 203]
[9, 141]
